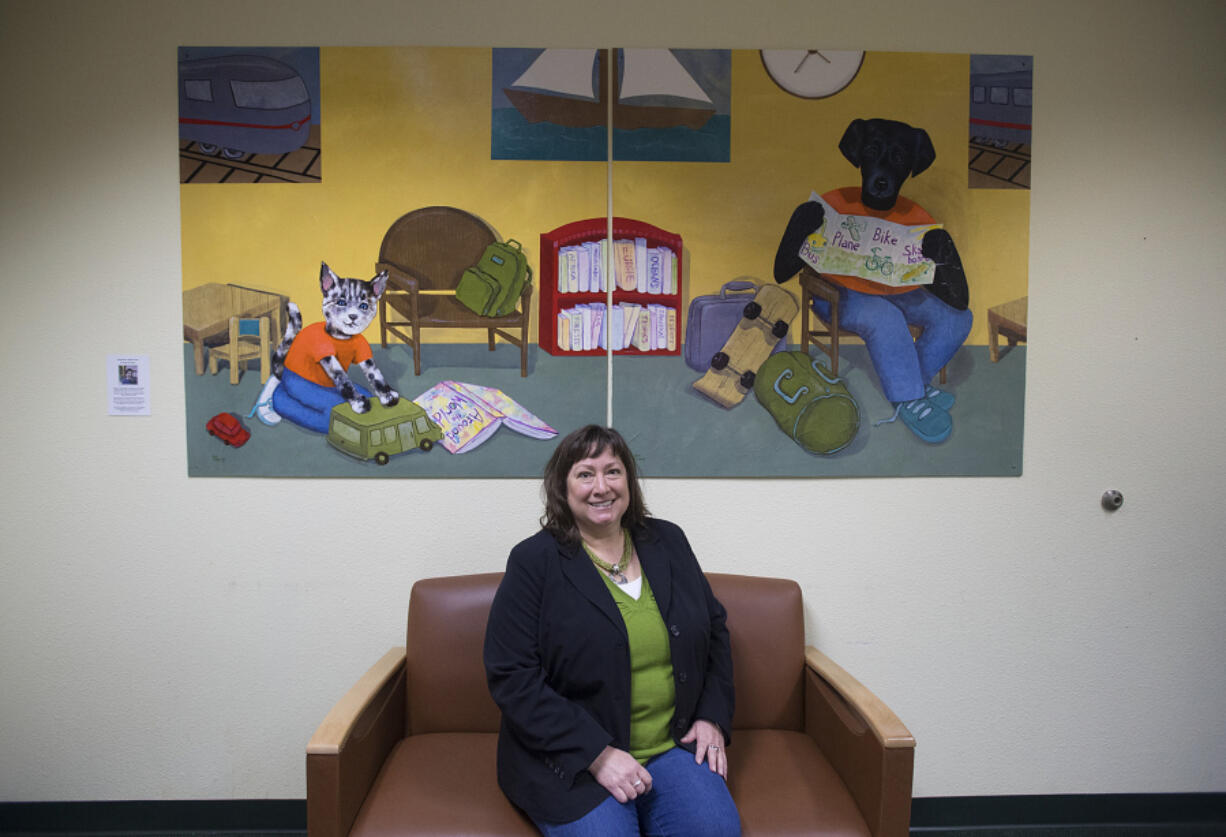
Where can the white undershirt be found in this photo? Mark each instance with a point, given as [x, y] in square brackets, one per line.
[633, 589]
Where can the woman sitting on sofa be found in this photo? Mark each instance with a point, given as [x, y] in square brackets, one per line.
[610, 660]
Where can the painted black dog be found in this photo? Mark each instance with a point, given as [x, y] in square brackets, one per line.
[887, 153]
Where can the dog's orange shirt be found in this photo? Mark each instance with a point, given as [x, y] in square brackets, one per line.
[905, 211]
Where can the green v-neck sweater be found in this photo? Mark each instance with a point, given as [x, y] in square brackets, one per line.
[652, 692]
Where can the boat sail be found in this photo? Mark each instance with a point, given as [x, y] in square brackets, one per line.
[558, 87]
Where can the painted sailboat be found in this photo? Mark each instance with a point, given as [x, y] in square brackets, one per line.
[653, 90]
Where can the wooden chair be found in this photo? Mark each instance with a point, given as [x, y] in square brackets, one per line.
[249, 340]
[813, 284]
[411, 748]
[425, 252]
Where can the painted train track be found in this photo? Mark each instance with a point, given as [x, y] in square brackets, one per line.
[203, 164]
[1005, 165]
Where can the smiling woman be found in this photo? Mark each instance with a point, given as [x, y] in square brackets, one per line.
[610, 660]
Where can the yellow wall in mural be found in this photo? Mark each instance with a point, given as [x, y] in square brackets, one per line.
[404, 128]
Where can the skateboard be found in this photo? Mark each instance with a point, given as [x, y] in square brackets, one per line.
[734, 367]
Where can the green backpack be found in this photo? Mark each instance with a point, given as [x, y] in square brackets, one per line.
[807, 402]
[492, 287]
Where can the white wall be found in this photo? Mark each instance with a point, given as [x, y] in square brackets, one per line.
[1032, 642]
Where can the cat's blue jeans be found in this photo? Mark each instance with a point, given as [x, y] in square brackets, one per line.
[685, 799]
[305, 403]
[904, 366]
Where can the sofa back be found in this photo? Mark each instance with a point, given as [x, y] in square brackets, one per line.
[446, 689]
[767, 624]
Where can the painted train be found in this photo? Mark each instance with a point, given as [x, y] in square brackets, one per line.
[1000, 107]
[241, 104]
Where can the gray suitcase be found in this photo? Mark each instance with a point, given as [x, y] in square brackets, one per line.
[712, 319]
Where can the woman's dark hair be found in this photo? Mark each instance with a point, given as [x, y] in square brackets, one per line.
[592, 440]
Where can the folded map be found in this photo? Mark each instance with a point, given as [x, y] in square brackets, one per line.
[868, 248]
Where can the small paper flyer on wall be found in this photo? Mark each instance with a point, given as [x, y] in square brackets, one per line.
[127, 385]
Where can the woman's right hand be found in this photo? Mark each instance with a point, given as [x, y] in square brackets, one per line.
[620, 774]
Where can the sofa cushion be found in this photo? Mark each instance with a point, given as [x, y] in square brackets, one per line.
[444, 784]
[440, 784]
[783, 785]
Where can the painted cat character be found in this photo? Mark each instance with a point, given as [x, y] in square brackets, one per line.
[310, 367]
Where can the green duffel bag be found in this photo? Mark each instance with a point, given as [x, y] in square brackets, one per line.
[808, 403]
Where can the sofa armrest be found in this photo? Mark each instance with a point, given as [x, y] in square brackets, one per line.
[348, 749]
[864, 740]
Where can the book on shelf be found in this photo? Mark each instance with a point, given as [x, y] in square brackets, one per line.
[468, 414]
[642, 332]
[576, 328]
[583, 266]
[636, 267]
[623, 264]
[630, 318]
[640, 265]
[595, 261]
[592, 325]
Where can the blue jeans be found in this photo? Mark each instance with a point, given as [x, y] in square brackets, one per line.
[904, 366]
[306, 403]
[685, 799]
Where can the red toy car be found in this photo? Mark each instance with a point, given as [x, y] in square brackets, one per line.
[229, 429]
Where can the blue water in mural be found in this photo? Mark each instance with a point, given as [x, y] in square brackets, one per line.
[515, 138]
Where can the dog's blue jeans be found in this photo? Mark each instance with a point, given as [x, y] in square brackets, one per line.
[904, 366]
[306, 403]
[685, 799]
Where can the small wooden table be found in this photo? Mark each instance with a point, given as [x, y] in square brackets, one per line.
[207, 310]
[1008, 319]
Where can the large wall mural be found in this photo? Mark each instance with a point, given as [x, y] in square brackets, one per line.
[428, 262]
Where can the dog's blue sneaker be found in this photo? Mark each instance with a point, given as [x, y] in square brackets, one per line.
[925, 419]
[939, 397]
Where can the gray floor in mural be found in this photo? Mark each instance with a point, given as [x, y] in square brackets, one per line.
[674, 431]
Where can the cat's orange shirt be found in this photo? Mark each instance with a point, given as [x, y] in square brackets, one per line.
[313, 344]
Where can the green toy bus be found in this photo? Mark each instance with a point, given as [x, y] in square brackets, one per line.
[383, 432]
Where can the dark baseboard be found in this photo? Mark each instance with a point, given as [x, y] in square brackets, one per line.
[180, 817]
[1095, 815]
[1148, 814]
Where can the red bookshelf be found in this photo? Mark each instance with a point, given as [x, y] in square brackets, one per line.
[594, 229]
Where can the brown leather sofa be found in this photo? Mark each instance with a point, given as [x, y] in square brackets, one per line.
[410, 749]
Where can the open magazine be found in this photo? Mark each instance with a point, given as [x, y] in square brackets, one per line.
[469, 414]
[869, 248]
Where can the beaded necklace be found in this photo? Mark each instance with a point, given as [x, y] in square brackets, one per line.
[617, 571]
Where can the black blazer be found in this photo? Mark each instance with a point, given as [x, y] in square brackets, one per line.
[558, 664]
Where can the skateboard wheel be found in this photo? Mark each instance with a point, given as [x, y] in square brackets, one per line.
[780, 329]
[747, 379]
[752, 310]
[718, 361]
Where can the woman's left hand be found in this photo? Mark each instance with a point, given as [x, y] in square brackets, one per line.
[709, 745]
